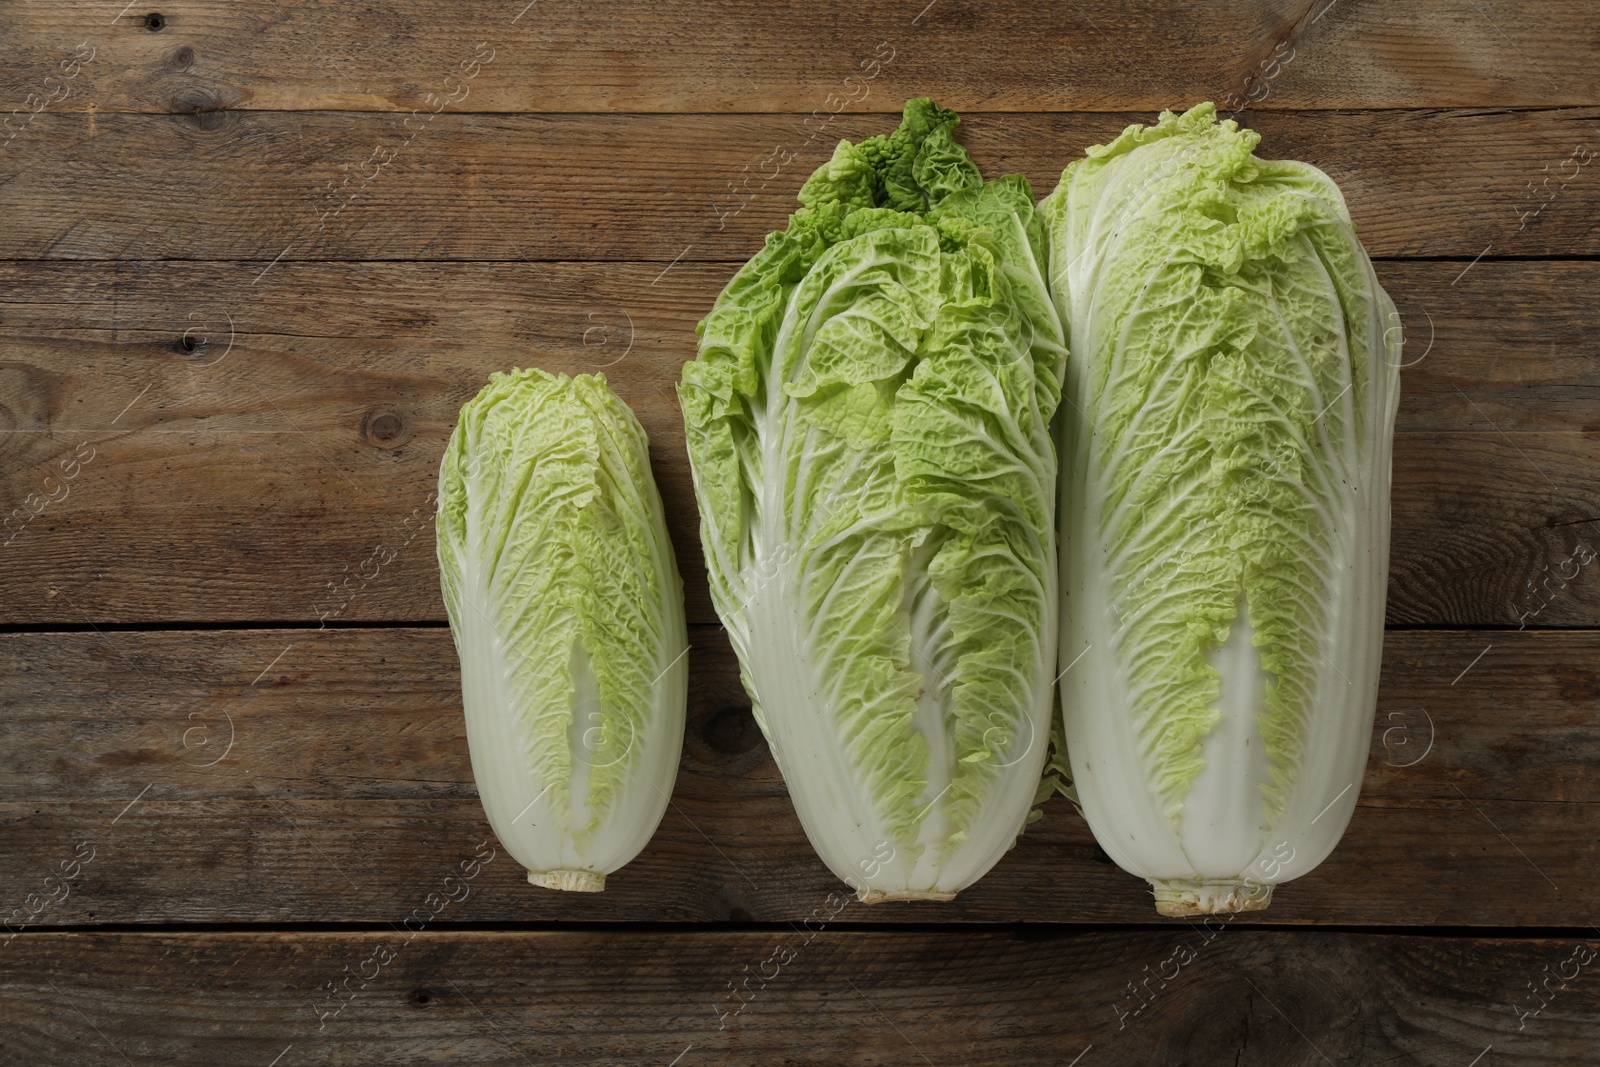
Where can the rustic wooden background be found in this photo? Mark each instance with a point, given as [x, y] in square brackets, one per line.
[253, 257]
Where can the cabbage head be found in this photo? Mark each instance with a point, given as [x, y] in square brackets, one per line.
[567, 615]
[1226, 437]
[868, 421]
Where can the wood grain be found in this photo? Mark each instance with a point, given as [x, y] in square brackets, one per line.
[352, 186]
[255, 257]
[255, 482]
[322, 775]
[813, 994]
[711, 55]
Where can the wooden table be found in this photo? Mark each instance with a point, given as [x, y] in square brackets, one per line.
[255, 256]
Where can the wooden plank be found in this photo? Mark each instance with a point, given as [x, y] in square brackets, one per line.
[338, 186]
[812, 994]
[257, 481]
[1504, 341]
[288, 776]
[715, 56]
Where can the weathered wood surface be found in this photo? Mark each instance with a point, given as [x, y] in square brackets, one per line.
[252, 445]
[811, 994]
[709, 55]
[353, 186]
[322, 775]
[253, 259]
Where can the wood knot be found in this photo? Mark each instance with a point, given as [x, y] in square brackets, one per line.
[732, 731]
[384, 428]
[205, 107]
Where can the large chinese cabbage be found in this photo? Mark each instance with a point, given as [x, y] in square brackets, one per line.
[868, 422]
[1226, 436]
[567, 615]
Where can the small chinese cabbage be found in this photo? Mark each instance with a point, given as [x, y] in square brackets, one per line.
[868, 424]
[1226, 435]
[567, 615]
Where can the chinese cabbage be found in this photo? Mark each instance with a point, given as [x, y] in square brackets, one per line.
[1226, 434]
[868, 423]
[567, 615]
